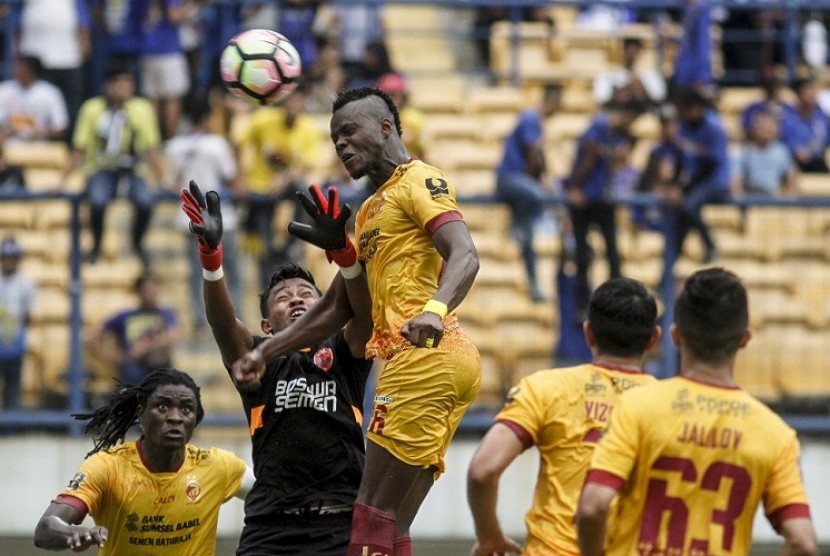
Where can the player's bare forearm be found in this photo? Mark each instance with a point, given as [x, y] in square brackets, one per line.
[324, 318]
[799, 537]
[232, 337]
[594, 504]
[455, 245]
[59, 529]
[359, 328]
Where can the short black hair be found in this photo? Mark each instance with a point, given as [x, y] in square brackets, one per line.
[117, 69]
[712, 314]
[142, 279]
[198, 109]
[802, 82]
[34, 64]
[690, 96]
[622, 314]
[351, 95]
[632, 41]
[629, 106]
[281, 273]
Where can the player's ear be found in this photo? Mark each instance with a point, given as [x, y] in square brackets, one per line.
[590, 339]
[745, 338]
[656, 334]
[676, 336]
[266, 327]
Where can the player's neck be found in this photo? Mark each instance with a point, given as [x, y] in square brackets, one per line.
[719, 375]
[160, 460]
[613, 362]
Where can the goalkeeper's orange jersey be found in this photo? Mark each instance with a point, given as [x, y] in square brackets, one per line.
[692, 461]
[394, 228]
[150, 513]
[563, 412]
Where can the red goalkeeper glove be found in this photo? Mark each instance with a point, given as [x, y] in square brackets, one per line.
[328, 230]
[205, 223]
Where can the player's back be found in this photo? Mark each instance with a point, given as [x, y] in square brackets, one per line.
[705, 456]
[564, 413]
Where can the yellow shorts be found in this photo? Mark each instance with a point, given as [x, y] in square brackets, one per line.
[421, 396]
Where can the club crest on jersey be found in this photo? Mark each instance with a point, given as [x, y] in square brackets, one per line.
[76, 480]
[193, 489]
[324, 358]
[437, 187]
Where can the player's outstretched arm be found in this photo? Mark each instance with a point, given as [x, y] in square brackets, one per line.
[59, 529]
[232, 337]
[497, 450]
[591, 517]
[799, 537]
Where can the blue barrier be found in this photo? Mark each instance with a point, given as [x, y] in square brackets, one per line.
[476, 421]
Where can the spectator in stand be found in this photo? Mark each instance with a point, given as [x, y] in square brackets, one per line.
[115, 134]
[663, 169]
[31, 109]
[693, 65]
[629, 82]
[136, 341]
[806, 129]
[325, 78]
[705, 177]
[764, 165]
[358, 26]
[208, 159]
[116, 38]
[521, 178]
[412, 119]
[589, 191]
[164, 72]
[58, 33]
[772, 104]
[283, 144]
[374, 64]
[17, 299]
[296, 22]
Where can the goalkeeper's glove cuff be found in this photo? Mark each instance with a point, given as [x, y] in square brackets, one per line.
[345, 257]
[211, 258]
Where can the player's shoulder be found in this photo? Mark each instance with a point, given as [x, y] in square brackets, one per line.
[209, 456]
[555, 379]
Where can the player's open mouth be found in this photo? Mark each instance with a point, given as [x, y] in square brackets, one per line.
[174, 433]
[346, 158]
[297, 313]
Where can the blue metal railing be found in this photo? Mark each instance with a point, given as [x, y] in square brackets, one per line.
[475, 421]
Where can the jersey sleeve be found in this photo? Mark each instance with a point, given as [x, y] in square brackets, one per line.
[784, 494]
[234, 471]
[431, 199]
[525, 412]
[614, 457]
[89, 485]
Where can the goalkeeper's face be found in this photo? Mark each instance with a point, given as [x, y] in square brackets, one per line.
[288, 300]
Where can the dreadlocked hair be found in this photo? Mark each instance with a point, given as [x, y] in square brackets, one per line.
[109, 423]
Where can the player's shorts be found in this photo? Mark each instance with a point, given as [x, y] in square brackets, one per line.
[164, 75]
[421, 396]
[290, 535]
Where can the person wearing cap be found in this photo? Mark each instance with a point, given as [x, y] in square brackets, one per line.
[412, 119]
[17, 298]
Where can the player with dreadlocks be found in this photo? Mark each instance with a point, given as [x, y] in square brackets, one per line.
[157, 491]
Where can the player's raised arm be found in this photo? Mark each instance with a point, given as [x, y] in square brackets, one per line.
[59, 529]
[233, 338]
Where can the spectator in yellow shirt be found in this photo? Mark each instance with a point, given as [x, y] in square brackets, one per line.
[281, 146]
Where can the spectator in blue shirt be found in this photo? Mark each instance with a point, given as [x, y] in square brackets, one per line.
[663, 169]
[165, 77]
[116, 38]
[806, 129]
[705, 176]
[764, 165]
[589, 190]
[519, 178]
[693, 65]
[772, 104]
[138, 340]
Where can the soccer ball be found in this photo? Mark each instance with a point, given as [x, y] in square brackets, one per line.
[260, 66]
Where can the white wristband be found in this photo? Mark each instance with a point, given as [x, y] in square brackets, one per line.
[351, 272]
[213, 275]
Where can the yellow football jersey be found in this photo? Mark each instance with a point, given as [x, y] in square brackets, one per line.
[393, 229]
[563, 412]
[150, 513]
[272, 146]
[692, 461]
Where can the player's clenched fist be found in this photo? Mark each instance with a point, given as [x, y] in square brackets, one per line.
[424, 330]
[248, 370]
[498, 547]
[84, 537]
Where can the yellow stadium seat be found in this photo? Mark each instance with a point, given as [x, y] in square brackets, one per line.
[805, 366]
[495, 99]
[17, 214]
[757, 370]
[40, 154]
